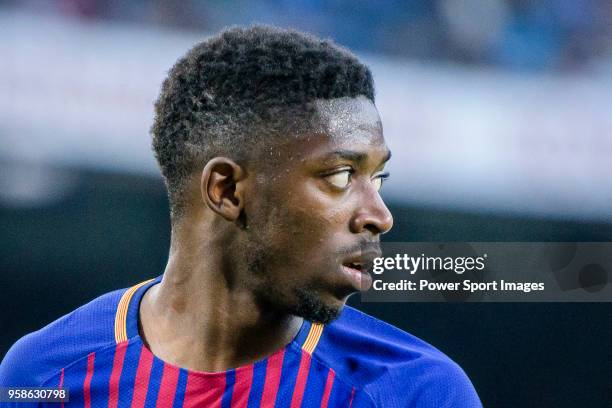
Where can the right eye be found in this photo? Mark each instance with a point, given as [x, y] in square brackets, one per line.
[341, 179]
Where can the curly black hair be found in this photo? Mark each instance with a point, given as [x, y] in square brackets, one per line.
[231, 91]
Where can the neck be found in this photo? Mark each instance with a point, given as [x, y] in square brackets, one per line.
[201, 317]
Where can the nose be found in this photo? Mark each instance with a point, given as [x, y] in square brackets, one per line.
[371, 214]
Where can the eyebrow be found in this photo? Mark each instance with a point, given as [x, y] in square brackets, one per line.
[351, 155]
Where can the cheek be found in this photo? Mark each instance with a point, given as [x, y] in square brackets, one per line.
[315, 232]
[314, 216]
[339, 215]
[301, 221]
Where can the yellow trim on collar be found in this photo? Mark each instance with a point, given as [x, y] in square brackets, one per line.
[314, 335]
[122, 309]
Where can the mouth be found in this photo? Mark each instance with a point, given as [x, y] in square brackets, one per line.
[356, 266]
[358, 275]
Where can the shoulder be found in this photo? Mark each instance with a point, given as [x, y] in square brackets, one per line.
[393, 367]
[39, 355]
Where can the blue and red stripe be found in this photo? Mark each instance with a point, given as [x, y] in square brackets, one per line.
[128, 373]
[242, 386]
[181, 386]
[168, 386]
[155, 379]
[91, 357]
[230, 380]
[274, 373]
[289, 377]
[300, 381]
[257, 384]
[329, 384]
[113, 382]
[204, 389]
[141, 382]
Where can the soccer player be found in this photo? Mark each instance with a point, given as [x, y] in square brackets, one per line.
[273, 154]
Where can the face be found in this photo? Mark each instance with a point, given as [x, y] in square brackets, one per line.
[313, 207]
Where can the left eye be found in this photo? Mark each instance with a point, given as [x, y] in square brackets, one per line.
[340, 179]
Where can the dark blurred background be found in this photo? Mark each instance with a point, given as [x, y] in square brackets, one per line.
[497, 112]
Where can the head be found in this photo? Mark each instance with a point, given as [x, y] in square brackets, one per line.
[270, 144]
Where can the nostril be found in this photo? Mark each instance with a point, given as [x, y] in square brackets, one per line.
[375, 218]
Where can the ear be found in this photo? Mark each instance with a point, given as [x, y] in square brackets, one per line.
[222, 187]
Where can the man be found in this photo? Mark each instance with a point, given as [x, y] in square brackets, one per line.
[273, 154]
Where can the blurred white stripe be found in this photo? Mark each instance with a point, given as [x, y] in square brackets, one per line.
[82, 94]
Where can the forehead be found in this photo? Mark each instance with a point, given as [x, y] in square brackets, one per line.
[343, 124]
[348, 120]
[349, 124]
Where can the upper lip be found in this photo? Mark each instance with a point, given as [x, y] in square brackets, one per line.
[362, 258]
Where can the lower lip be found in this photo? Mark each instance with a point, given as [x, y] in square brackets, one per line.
[360, 280]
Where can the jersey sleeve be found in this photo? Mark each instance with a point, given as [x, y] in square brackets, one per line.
[40, 355]
[21, 367]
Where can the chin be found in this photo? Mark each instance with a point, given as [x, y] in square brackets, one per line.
[314, 307]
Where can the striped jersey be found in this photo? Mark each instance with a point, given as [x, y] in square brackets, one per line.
[97, 354]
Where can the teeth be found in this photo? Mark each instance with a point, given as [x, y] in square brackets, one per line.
[355, 265]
